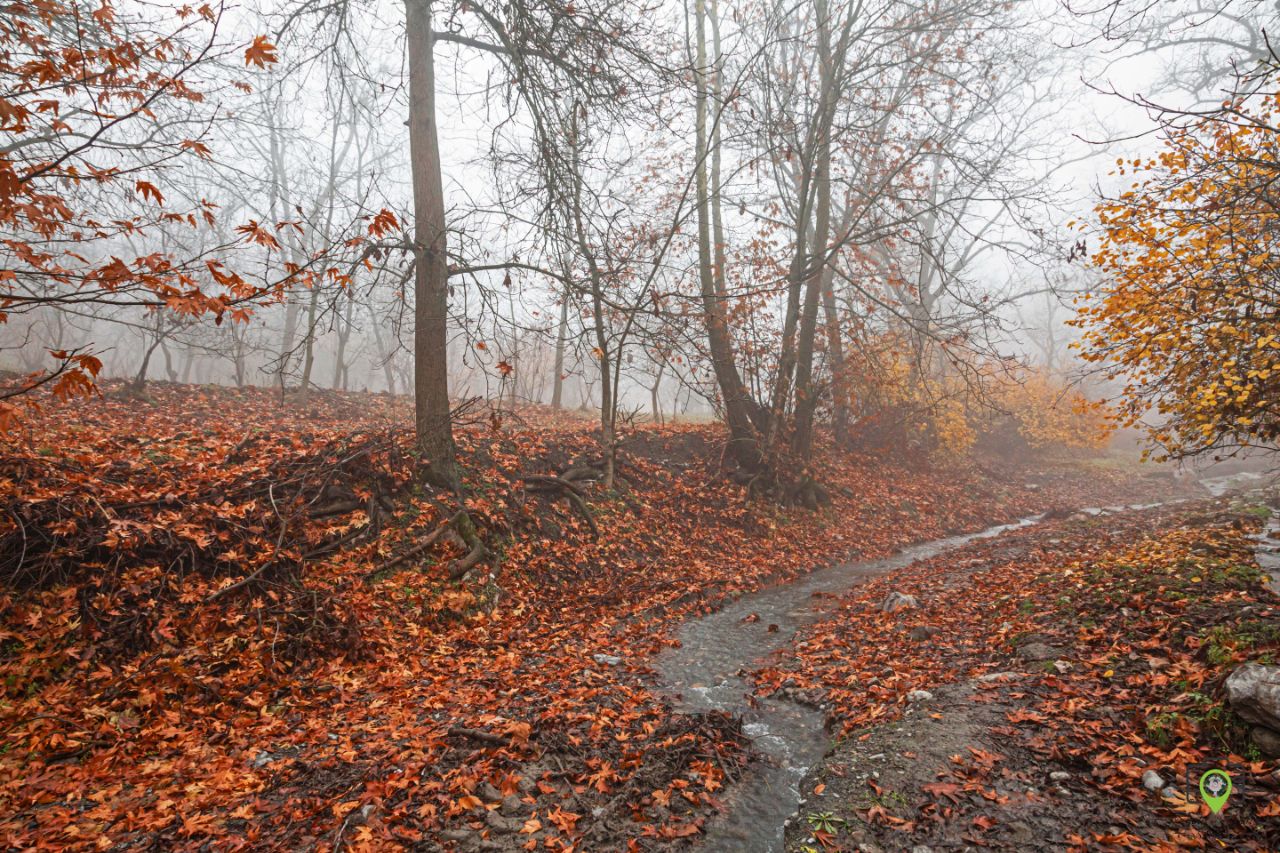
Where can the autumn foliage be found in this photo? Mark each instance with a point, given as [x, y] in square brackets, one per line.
[95, 105]
[1187, 312]
[207, 627]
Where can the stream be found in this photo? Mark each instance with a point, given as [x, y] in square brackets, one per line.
[710, 669]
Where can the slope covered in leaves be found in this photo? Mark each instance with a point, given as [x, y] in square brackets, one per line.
[1061, 664]
[221, 622]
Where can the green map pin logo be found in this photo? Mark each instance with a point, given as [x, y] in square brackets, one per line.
[1215, 787]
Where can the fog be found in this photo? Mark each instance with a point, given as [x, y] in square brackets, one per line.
[968, 143]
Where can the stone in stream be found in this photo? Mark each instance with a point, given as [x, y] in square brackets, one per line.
[896, 601]
[1253, 692]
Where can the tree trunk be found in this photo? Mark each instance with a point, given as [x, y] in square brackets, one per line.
[557, 370]
[806, 390]
[738, 405]
[835, 357]
[431, 273]
[341, 371]
[384, 357]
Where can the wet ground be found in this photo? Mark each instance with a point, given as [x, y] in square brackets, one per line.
[710, 670]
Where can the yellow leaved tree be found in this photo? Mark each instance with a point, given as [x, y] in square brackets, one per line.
[1189, 314]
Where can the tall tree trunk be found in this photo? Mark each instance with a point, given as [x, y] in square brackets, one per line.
[806, 390]
[738, 405]
[431, 273]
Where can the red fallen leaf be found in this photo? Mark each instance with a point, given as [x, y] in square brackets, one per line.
[949, 790]
[772, 629]
[984, 822]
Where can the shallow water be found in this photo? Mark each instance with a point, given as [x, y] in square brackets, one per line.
[717, 652]
[706, 672]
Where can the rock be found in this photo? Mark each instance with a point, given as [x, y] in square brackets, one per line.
[998, 676]
[607, 660]
[922, 848]
[923, 632]
[1151, 781]
[896, 601]
[488, 792]
[1038, 651]
[262, 759]
[1021, 833]
[1169, 792]
[1266, 740]
[502, 825]
[1059, 776]
[919, 696]
[512, 806]
[1062, 666]
[1253, 692]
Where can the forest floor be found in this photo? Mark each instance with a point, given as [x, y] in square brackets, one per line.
[1058, 666]
[222, 625]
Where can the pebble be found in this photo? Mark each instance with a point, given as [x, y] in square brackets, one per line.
[607, 660]
[1059, 776]
[1151, 781]
[919, 696]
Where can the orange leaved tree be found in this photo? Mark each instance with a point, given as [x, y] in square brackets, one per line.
[94, 106]
[1189, 314]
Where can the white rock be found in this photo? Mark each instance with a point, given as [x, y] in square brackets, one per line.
[1151, 781]
[919, 696]
[607, 660]
[997, 676]
[895, 601]
[1059, 776]
[1253, 692]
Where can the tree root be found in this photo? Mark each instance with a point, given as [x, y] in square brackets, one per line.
[460, 527]
[570, 490]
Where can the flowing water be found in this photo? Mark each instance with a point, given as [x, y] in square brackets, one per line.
[710, 670]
